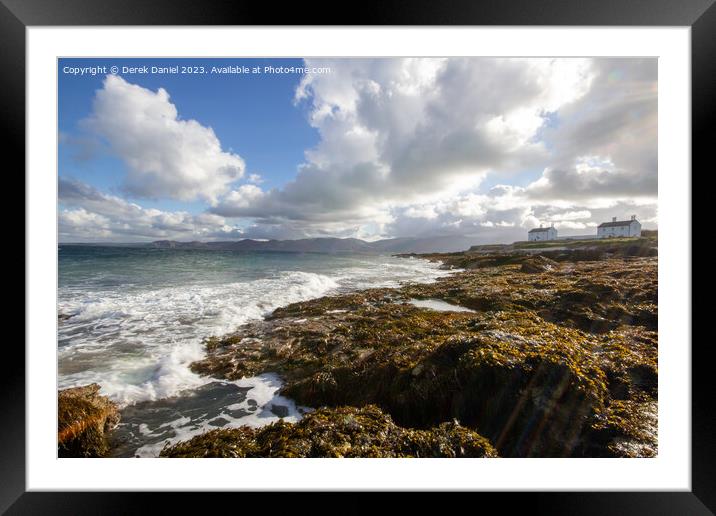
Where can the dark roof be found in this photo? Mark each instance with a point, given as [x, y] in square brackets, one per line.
[616, 223]
[538, 230]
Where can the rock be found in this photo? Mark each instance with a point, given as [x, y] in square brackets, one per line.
[560, 346]
[84, 420]
[337, 432]
[279, 410]
[537, 264]
[628, 428]
[515, 370]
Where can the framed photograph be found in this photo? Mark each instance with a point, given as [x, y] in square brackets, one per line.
[446, 248]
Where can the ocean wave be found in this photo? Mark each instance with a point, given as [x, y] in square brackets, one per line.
[138, 345]
[138, 341]
[136, 338]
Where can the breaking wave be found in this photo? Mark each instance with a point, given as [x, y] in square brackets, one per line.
[138, 345]
[137, 340]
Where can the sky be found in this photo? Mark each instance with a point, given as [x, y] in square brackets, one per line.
[225, 149]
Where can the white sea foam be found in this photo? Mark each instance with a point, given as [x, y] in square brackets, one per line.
[387, 274]
[260, 403]
[137, 337]
[138, 345]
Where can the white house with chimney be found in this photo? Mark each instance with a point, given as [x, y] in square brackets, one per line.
[541, 234]
[619, 228]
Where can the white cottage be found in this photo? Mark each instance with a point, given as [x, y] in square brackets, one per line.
[619, 228]
[540, 234]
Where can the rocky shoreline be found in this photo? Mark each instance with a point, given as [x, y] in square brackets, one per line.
[84, 420]
[554, 353]
[337, 432]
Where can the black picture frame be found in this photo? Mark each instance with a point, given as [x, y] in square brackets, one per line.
[700, 15]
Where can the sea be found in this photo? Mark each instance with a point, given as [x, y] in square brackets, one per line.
[132, 319]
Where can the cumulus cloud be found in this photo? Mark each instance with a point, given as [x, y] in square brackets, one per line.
[406, 143]
[166, 156]
[482, 147]
[605, 143]
[492, 215]
[90, 215]
[404, 131]
[242, 197]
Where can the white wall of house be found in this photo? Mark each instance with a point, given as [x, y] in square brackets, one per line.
[547, 234]
[628, 228]
[632, 229]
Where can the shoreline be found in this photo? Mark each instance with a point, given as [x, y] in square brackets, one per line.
[575, 333]
[565, 337]
[208, 386]
[115, 334]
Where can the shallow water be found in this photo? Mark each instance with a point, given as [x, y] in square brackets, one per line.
[147, 426]
[439, 305]
[133, 319]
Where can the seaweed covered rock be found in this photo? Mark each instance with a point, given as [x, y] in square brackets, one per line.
[84, 418]
[596, 296]
[628, 428]
[629, 356]
[597, 249]
[531, 386]
[507, 376]
[541, 367]
[299, 347]
[537, 264]
[337, 432]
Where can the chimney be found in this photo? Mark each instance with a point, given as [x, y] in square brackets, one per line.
[540, 226]
[614, 219]
[633, 217]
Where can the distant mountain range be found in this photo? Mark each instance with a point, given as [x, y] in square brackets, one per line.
[330, 245]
